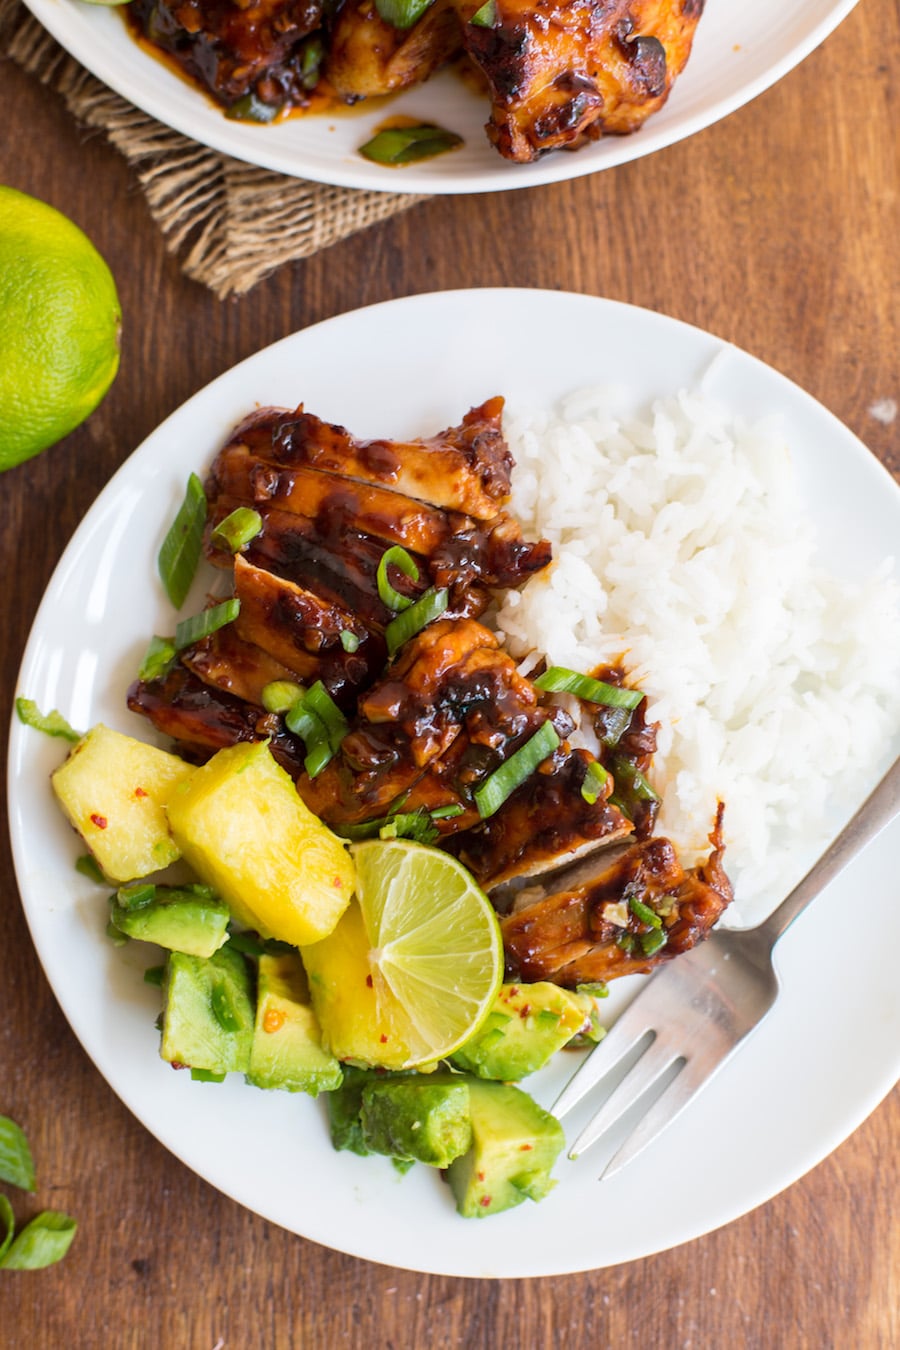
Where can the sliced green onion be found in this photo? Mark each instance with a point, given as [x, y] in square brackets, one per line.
[493, 792]
[52, 723]
[319, 722]
[312, 58]
[88, 866]
[237, 529]
[154, 975]
[223, 1008]
[426, 609]
[42, 1242]
[616, 722]
[136, 896]
[626, 942]
[447, 812]
[560, 680]
[183, 545]
[349, 641]
[486, 17]
[402, 13]
[546, 1017]
[207, 621]
[598, 989]
[249, 108]
[404, 145]
[16, 1165]
[158, 659]
[399, 558]
[206, 1076]
[594, 782]
[643, 912]
[653, 941]
[280, 695]
[625, 772]
[415, 825]
[319, 701]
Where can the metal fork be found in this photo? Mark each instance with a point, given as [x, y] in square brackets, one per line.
[695, 1012]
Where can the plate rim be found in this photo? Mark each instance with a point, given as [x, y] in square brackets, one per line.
[780, 1177]
[218, 134]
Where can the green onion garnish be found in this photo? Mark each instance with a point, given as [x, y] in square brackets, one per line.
[237, 529]
[447, 812]
[280, 695]
[206, 1076]
[643, 912]
[594, 782]
[652, 942]
[403, 145]
[52, 723]
[402, 13]
[182, 546]
[154, 975]
[158, 659]
[415, 825]
[426, 609]
[626, 774]
[616, 722]
[560, 680]
[207, 621]
[88, 866]
[249, 108]
[495, 789]
[319, 722]
[349, 641]
[136, 896]
[486, 17]
[399, 558]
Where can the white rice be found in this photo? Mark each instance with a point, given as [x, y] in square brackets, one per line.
[682, 547]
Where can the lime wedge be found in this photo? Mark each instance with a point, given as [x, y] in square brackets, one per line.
[412, 970]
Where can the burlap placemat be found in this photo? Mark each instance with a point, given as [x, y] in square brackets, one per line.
[230, 223]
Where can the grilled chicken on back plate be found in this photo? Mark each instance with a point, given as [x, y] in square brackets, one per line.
[436, 725]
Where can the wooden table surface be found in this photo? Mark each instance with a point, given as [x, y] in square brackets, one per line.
[777, 229]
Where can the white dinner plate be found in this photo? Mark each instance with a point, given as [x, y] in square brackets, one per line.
[741, 48]
[831, 1048]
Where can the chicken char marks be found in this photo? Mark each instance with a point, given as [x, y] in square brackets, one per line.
[564, 71]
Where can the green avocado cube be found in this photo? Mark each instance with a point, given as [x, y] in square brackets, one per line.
[515, 1144]
[526, 1026]
[286, 1051]
[419, 1118]
[207, 1020]
[187, 919]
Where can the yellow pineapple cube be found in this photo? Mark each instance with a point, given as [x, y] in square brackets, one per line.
[242, 827]
[344, 989]
[113, 790]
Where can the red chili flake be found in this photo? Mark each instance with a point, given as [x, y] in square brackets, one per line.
[514, 989]
[100, 821]
[485, 1201]
[177, 1065]
[273, 1020]
[368, 981]
[337, 883]
[139, 792]
[525, 1148]
[525, 1010]
[383, 1040]
[481, 1176]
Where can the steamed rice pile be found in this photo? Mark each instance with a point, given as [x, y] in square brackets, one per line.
[683, 549]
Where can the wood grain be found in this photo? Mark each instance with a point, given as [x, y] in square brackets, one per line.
[776, 229]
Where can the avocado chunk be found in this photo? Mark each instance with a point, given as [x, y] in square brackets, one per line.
[286, 1051]
[345, 1105]
[207, 1012]
[188, 919]
[526, 1026]
[515, 1143]
[420, 1119]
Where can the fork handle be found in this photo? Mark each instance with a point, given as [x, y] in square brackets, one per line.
[875, 813]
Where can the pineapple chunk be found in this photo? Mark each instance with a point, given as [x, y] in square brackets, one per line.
[344, 993]
[113, 789]
[244, 830]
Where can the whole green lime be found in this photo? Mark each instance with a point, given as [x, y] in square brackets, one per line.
[60, 323]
